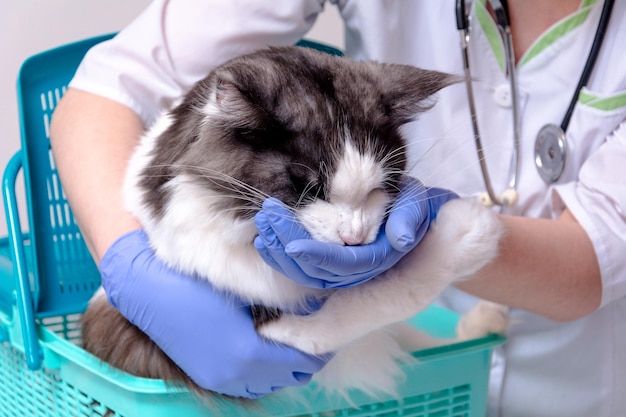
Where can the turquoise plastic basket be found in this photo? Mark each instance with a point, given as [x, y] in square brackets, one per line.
[47, 277]
[64, 276]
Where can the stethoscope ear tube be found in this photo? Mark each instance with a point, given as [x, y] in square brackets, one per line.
[462, 22]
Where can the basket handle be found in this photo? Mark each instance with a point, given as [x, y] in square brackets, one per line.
[24, 296]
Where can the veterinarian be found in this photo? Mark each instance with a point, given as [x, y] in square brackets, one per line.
[562, 263]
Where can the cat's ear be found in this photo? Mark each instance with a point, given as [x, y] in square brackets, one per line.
[230, 99]
[238, 106]
[227, 95]
[235, 102]
[408, 91]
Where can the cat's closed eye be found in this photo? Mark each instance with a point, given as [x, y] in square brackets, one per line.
[307, 186]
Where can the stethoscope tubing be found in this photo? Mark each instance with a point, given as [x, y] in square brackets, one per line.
[591, 60]
[509, 197]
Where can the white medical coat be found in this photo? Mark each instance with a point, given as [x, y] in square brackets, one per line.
[545, 368]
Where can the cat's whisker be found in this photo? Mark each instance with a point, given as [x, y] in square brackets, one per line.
[394, 153]
[240, 209]
[304, 166]
[237, 185]
[467, 146]
[405, 200]
[408, 196]
[305, 193]
[238, 189]
[323, 170]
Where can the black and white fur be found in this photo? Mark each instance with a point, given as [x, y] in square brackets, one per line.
[322, 134]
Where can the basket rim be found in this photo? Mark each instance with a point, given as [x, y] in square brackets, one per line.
[56, 345]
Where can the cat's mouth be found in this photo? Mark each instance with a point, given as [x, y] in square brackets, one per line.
[345, 223]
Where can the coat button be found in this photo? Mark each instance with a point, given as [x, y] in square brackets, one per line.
[502, 95]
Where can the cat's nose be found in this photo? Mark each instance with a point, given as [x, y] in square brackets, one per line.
[352, 239]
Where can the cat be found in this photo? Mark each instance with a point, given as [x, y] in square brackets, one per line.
[321, 134]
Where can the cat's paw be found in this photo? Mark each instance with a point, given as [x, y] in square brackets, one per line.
[469, 232]
[298, 332]
[483, 319]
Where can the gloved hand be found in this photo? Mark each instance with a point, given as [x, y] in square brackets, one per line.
[209, 334]
[285, 245]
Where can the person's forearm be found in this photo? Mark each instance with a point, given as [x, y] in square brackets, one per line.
[92, 139]
[548, 267]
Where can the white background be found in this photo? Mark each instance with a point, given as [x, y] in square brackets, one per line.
[31, 26]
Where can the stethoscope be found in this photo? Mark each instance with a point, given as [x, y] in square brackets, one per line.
[551, 144]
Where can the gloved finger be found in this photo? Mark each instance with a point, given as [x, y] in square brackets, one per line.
[296, 369]
[407, 220]
[300, 364]
[257, 390]
[325, 261]
[333, 262]
[405, 227]
[302, 378]
[284, 223]
[266, 255]
[271, 249]
[438, 197]
[411, 191]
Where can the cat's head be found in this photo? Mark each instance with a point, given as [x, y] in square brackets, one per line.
[320, 133]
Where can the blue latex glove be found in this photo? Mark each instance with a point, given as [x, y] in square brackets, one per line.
[285, 245]
[210, 335]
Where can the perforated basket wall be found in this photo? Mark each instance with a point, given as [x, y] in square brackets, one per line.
[448, 382]
[65, 273]
[41, 393]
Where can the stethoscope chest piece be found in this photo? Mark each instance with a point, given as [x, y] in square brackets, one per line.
[550, 152]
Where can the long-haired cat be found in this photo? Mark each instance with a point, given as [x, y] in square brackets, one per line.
[322, 134]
